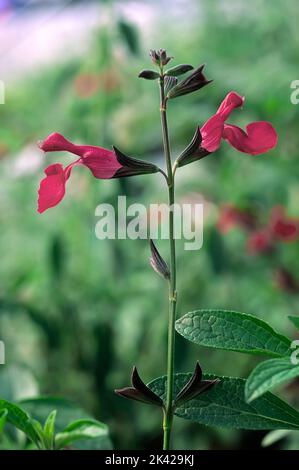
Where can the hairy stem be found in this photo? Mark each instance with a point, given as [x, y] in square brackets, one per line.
[168, 412]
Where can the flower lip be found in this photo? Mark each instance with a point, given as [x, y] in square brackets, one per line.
[260, 136]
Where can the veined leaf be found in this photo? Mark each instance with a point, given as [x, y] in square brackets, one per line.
[234, 331]
[79, 430]
[269, 374]
[19, 418]
[224, 405]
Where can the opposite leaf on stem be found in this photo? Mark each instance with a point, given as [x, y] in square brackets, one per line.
[149, 75]
[179, 70]
[139, 391]
[194, 387]
[157, 262]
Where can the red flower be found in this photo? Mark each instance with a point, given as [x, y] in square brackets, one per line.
[282, 227]
[231, 216]
[259, 136]
[103, 163]
[259, 242]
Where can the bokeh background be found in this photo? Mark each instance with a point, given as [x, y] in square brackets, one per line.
[77, 313]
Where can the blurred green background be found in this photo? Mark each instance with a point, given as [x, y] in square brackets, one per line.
[77, 313]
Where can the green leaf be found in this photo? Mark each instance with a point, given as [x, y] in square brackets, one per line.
[3, 417]
[49, 429]
[67, 412]
[81, 429]
[179, 70]
[224, 405]
[149, 75]
[269, 374]
[295, 321]
[130, 36]
[274, 436]
[234, 331]
[20, 419]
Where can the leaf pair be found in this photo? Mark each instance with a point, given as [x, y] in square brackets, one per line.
[44, 436]
[231, 404]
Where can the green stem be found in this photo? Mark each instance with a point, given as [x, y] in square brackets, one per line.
[168, 411]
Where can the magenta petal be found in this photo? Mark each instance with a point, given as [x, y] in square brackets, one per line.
[102, 163]
[90, 153]
[57, 143]
[231, 101]
[52, 187]
[260, 137]
[211, 133]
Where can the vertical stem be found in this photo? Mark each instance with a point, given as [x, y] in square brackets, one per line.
[168, 412]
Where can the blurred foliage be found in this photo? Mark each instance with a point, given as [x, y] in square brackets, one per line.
[76, 313]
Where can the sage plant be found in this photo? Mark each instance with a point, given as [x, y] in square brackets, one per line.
[173, 392]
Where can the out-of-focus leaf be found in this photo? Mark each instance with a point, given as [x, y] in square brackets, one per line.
[17, 382]
[295, 321]
[81, 430]
[130, 36]
[3, 417]
[49, 429]
[67, 412]
[274, 436]
[19, 418]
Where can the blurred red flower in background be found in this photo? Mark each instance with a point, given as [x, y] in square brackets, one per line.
[282, 227]
[259, 241]
[231, 216]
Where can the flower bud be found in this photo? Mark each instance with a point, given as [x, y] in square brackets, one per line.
[193, 82]
[160, 57]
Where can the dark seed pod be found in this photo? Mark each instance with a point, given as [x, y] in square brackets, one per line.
[194, 387]
[139, 391]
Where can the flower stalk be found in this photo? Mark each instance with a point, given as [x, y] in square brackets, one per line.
[168, 410]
